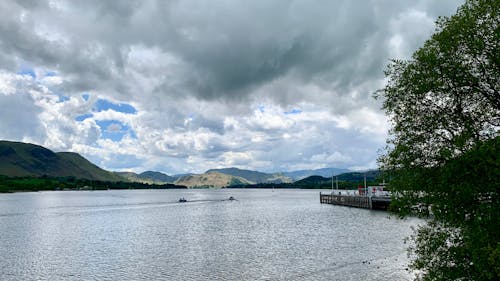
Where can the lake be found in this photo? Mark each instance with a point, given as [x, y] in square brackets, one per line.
[149, 235]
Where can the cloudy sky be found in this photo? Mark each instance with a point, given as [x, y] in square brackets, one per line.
[184, 86]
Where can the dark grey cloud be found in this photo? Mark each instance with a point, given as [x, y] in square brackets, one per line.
[227, 48]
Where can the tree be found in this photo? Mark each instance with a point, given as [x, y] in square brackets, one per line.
[443, 150]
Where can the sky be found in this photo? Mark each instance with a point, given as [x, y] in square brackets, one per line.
[186, 86]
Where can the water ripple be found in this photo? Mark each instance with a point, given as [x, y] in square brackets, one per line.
[148, 235]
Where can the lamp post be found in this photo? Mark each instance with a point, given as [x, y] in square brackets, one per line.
[332, 182]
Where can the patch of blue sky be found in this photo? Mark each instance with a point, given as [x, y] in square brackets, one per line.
[262, 108]
[132, 134]
[50, 74]
[63, 98]
[86, 96]
[82, 117]
[102, 105]
[27, 71]
[294, 111]
[115, 130]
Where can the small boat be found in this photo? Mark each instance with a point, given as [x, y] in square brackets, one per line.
[231, 198]
[182, 200]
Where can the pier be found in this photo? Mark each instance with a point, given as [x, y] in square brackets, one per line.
[358, 201]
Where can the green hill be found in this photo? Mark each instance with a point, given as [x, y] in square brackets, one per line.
[19, 159]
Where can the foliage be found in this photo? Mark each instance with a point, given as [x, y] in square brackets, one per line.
[462, 239]
[444, 105]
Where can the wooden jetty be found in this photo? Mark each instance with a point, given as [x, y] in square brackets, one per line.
[358, 201]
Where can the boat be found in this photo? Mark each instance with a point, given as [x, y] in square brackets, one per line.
[231, 198]
[182, 200]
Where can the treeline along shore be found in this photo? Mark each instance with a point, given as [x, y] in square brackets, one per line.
[45, 183]
[321, 185]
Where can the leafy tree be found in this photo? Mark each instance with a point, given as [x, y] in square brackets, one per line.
[442, 155]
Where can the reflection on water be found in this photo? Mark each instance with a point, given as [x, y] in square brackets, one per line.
[149, 235]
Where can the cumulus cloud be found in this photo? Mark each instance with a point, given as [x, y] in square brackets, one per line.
[183, 86]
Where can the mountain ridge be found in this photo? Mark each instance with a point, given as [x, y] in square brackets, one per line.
[241, 176]
[252, 176]
[19, 159]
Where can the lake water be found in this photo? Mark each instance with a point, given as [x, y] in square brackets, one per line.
[148, 235]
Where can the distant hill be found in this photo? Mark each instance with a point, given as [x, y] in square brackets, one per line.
[325, 172]
[211, 179]
[24, 159]
[313, 180]
[150, 177]
[345, 180]
[253, 176]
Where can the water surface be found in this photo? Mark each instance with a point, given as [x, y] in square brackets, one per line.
[148, 235]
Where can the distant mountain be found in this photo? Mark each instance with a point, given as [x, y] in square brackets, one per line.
[253, 176]
[133, 177]
[211, 179]
[325, 172]
[178, 176]
[25, 159]
[128, 176]
[157, 177]
[150, 177]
